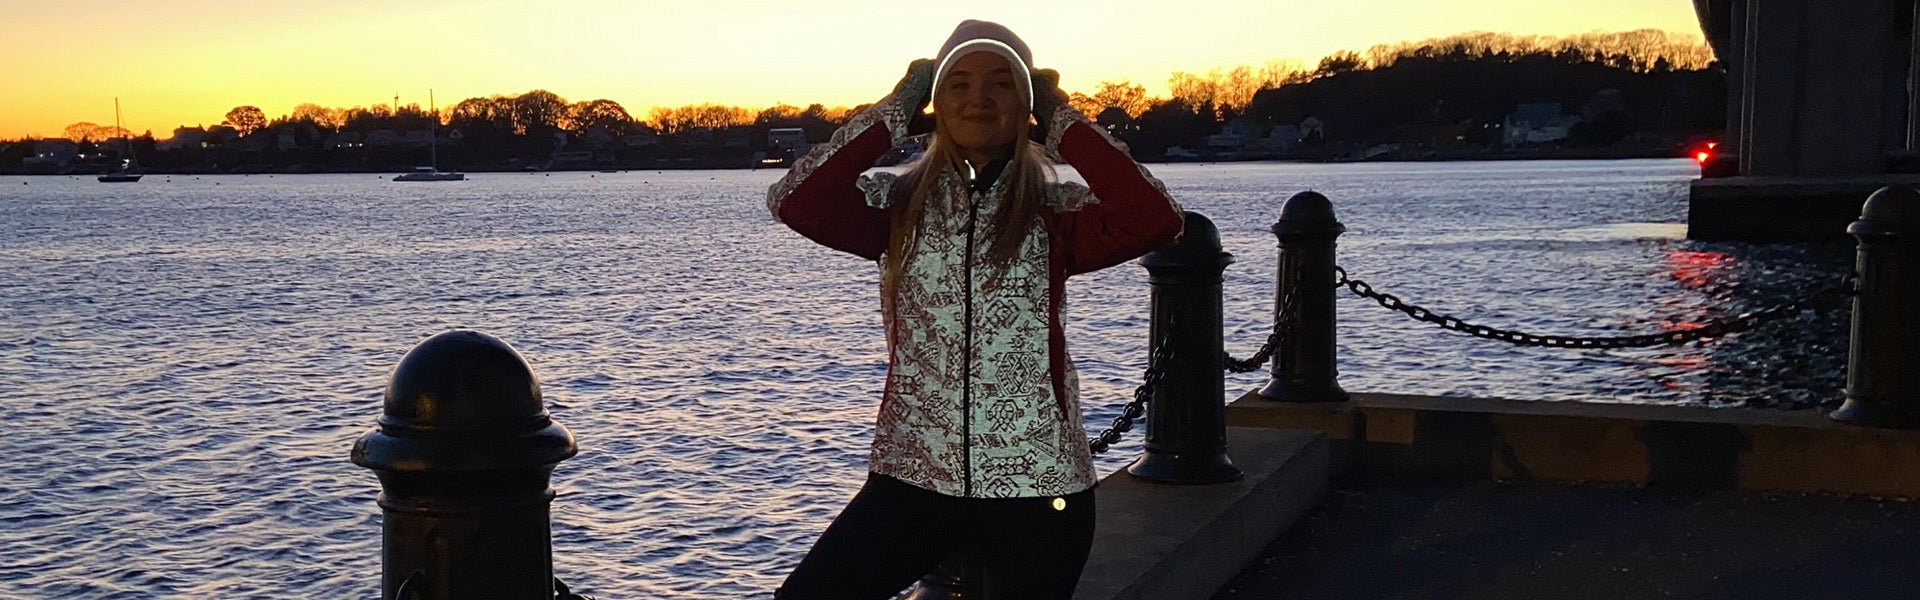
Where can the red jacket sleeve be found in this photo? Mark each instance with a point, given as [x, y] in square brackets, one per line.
[1129, 213]
[825, 198]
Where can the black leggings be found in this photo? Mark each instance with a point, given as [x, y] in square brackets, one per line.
[892, 533]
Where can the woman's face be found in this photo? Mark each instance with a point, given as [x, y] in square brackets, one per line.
[979, 104]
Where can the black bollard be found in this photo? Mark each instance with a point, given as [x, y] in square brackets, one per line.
[1303, 364]
[1883, 388]
[1186, 439]
[464, 451]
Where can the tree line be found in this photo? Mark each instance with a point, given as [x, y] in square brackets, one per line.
[1644, 92]
[1663, 82]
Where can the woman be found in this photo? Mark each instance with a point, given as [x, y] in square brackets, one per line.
[979, 439]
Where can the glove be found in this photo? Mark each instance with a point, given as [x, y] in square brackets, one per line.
[915, 92]
[1047, 98]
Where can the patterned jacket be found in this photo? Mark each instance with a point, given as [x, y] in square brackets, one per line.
[981, 398]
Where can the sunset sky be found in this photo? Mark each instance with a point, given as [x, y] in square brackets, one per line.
[186, 62]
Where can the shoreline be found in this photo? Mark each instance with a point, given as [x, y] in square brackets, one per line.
[1391, 158]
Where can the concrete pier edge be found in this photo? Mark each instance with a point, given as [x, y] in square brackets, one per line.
[1781, 209]
[1611, 444]
[1177, 542]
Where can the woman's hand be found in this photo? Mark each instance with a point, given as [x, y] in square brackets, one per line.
[915, 92]
[1047, 98]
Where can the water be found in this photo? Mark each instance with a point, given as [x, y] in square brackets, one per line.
[185, 362]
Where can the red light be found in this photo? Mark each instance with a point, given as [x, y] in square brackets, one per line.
[1701, 157]
[1712, 145]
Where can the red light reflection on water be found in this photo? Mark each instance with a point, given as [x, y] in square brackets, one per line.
[1691, 269]
[1695, 268]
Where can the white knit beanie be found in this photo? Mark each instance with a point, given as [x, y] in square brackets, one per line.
[982, 36]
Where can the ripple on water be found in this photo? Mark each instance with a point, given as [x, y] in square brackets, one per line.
[193, 362]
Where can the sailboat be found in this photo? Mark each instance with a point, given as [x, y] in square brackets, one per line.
[125, 173]
[431, 173]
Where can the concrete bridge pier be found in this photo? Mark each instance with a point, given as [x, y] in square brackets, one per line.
[1821, 106]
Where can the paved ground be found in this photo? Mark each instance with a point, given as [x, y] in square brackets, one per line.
[1395, 540]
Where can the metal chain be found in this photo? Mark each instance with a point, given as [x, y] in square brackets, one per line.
[1259, 358]
[1156, 370]
[1253, 363]
[1712, 329]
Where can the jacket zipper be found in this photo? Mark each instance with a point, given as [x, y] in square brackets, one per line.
[966, 328]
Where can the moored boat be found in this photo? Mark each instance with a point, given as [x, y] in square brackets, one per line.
[125, 174]
[429, 174]
[433, 172]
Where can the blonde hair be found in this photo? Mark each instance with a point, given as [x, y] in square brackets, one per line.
[1027, 173]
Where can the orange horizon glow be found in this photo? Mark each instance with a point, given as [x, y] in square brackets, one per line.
[187, 62]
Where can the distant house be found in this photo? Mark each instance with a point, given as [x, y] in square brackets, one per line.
[786, 137]
[184, 138]
[417, 138]
[344, 139]
[220, 135]
[1241, 127]
[381, 137]
[698, 137]
[1283, 138]
[56, 148]
[638, 139]
[598, 137]
[1537, 122]
[296, 136]
[50, 156]
[790, 142]
[1312, 131]
[1237, 136]
[258, 141]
